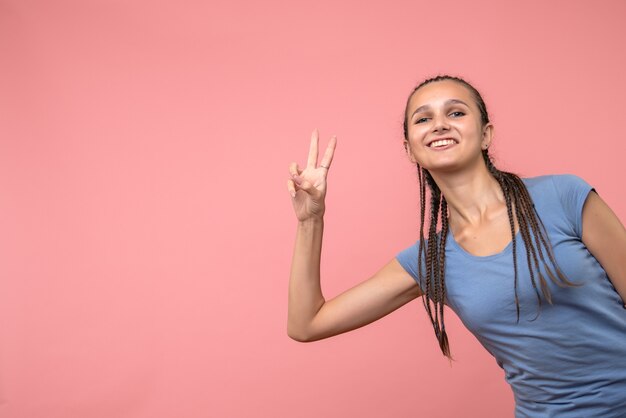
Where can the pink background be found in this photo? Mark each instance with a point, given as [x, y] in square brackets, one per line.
[146, 230]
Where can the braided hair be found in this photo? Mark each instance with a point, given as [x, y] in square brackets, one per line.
[518, 204]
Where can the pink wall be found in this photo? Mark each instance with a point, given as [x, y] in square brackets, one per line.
[146, 230]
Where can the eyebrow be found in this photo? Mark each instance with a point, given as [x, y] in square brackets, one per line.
[448, 102]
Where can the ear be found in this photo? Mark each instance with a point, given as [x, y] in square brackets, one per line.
[407, 148]
[488, 131]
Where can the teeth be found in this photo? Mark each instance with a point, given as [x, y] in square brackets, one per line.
[441, 142]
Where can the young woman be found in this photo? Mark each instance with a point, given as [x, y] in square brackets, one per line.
[534, 267]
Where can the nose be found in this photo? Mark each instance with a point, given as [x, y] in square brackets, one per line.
[440, 124]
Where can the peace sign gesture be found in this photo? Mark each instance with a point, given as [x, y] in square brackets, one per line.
[308, 187]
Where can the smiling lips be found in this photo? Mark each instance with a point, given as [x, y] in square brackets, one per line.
[441, 143]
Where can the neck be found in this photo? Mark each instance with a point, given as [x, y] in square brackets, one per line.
[473, 195]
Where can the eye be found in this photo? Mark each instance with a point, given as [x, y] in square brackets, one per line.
[420, 120]
[458, 113]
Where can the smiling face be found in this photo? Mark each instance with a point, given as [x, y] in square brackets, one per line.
[444, 128]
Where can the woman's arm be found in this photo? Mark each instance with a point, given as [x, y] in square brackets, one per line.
[605, 237]
[387, 290]
[310, 316]
[305, 293]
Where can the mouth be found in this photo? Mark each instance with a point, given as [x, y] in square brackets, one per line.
[441, 142]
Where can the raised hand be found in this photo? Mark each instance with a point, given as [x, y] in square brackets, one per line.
[308, 187]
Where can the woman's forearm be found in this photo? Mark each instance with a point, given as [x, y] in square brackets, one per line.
[305, 293]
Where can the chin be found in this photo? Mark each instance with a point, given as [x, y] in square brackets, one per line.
[452, 165]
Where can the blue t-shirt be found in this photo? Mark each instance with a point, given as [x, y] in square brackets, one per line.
[571, 360]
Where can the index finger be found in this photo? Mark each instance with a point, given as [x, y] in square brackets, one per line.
[312, 161]
[330, 151]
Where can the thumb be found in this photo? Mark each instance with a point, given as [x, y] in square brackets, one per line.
[306, 186]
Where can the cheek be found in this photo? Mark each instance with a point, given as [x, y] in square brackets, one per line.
[417, 133]
[469, 130]
[414, 144]
[415, 150]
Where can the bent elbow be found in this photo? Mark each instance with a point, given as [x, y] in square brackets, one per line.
[299, 336]
[296, 336]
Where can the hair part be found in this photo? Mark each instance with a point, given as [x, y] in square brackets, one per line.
[519, 206]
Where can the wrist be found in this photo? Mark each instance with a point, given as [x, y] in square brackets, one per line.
[311, 222]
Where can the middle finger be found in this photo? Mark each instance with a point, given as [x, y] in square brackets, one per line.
[312, 161]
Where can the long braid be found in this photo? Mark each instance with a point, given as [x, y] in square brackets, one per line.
[541, 240]
[529, 219]
[433, 282]
[522, 220]
[519, 205]
[504, 184]
[422, 211]
[443, 340]
[422, 249]
[432, 275]
[525, 214]
[508, 179]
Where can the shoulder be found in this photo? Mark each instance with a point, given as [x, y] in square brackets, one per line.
[557, 185]
[554, 178]
[560, 197]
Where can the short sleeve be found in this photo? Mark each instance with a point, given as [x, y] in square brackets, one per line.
[572, 192]
[408, 259]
